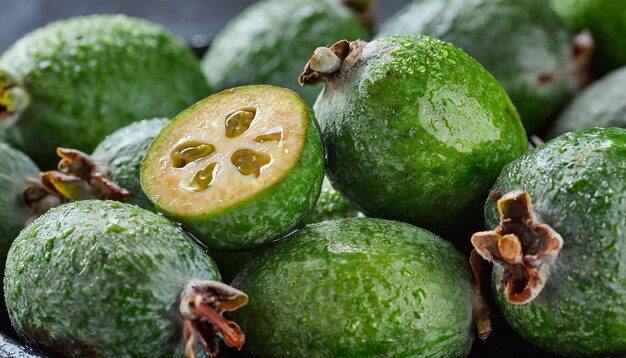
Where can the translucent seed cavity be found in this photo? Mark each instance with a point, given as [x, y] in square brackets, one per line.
[274, 134]
[238, 122]
[190, 152]
[203, 178]
[249, 162]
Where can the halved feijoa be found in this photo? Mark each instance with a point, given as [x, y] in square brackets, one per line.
[239, 168]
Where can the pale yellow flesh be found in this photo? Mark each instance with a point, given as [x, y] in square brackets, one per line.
[276, 110]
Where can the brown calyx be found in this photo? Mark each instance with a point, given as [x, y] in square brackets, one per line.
[328, 63]
[481, 311]
[578, 65]
[80, 178]
[38, 199]
[13, 98]
[202, 305]
[523, 248]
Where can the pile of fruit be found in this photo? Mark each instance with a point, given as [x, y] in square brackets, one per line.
[202, 208]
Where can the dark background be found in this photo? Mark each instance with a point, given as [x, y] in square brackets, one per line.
[186, 18]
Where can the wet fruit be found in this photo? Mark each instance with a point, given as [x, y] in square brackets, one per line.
[558, 243]
[603, 104]
[521, 43]
[9, 347]
[112, 171]
[239, 168]
[606, 20]
[331, 205]
[415, 129]
[358, 287]
[84, 77]
[102, 278]
[269, 42]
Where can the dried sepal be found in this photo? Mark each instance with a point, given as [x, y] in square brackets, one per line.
[79, 177]
[481, 311]
[14, 98]
[326, 62]
[523, 248]
[202, 304]
[577, 69]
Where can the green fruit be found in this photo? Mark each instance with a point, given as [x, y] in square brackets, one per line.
[606, 20]
[331, 205]
[415, 130]
[577, 183]
[88, 76]
[102, 278]
[603, 104]
[112, 171]
[239, 168]
[358, 288]
[521, 42]
[269, 42]
[12, 348]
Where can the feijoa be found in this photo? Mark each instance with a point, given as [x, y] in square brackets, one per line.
[112, 171]
[9, 347]
[521, 42]
[103, 278]
[603, 104]
[415, 129]
[86, 77]
[606, 20]
[238, 168]
[358, 288]
[559, 243]
[331, 205]
[269, 42]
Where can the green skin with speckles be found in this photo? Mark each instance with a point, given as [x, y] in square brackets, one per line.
[270, 41]
[88, 76]
[102, 278]
[122, 153]
[577, 183]
[603, 104]
[516, 40]
[606, 20]
[358, 288]
[418, 131]
[263, 217]
[331, 205]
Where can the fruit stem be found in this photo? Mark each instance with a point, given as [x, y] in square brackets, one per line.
[523, 248]
[80, 178]
[328, 63]
[202, 304]
[14, 98]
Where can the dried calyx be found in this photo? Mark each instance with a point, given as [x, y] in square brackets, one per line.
[80, 178]
[38, 199]
[202, 304]
[328, 63]
[523, 248]
[13, 99]
[577, 69]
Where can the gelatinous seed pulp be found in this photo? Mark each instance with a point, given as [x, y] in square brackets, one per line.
[204, 177]
[250, 162]
[239, 121]
[190, 152]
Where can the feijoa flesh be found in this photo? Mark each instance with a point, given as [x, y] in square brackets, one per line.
[602, 104]
[415, 129]
[84, 77]
[558, 216]
[269, 42]
[103, 278]
[238, 168]
[521, 42]
[112, 171]
[358, 288]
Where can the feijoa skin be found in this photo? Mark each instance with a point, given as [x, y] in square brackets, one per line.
[606, 20]
[415, 130]
[602, 104]
[269, 42]
[577, 184]
[331, 205]
[103, 278]
[358, 288]
[9, 347]
[523, 44]
[85, 77]
[112, 171]
[239, 168]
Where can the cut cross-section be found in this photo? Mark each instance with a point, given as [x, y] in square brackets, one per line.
[248, 160]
